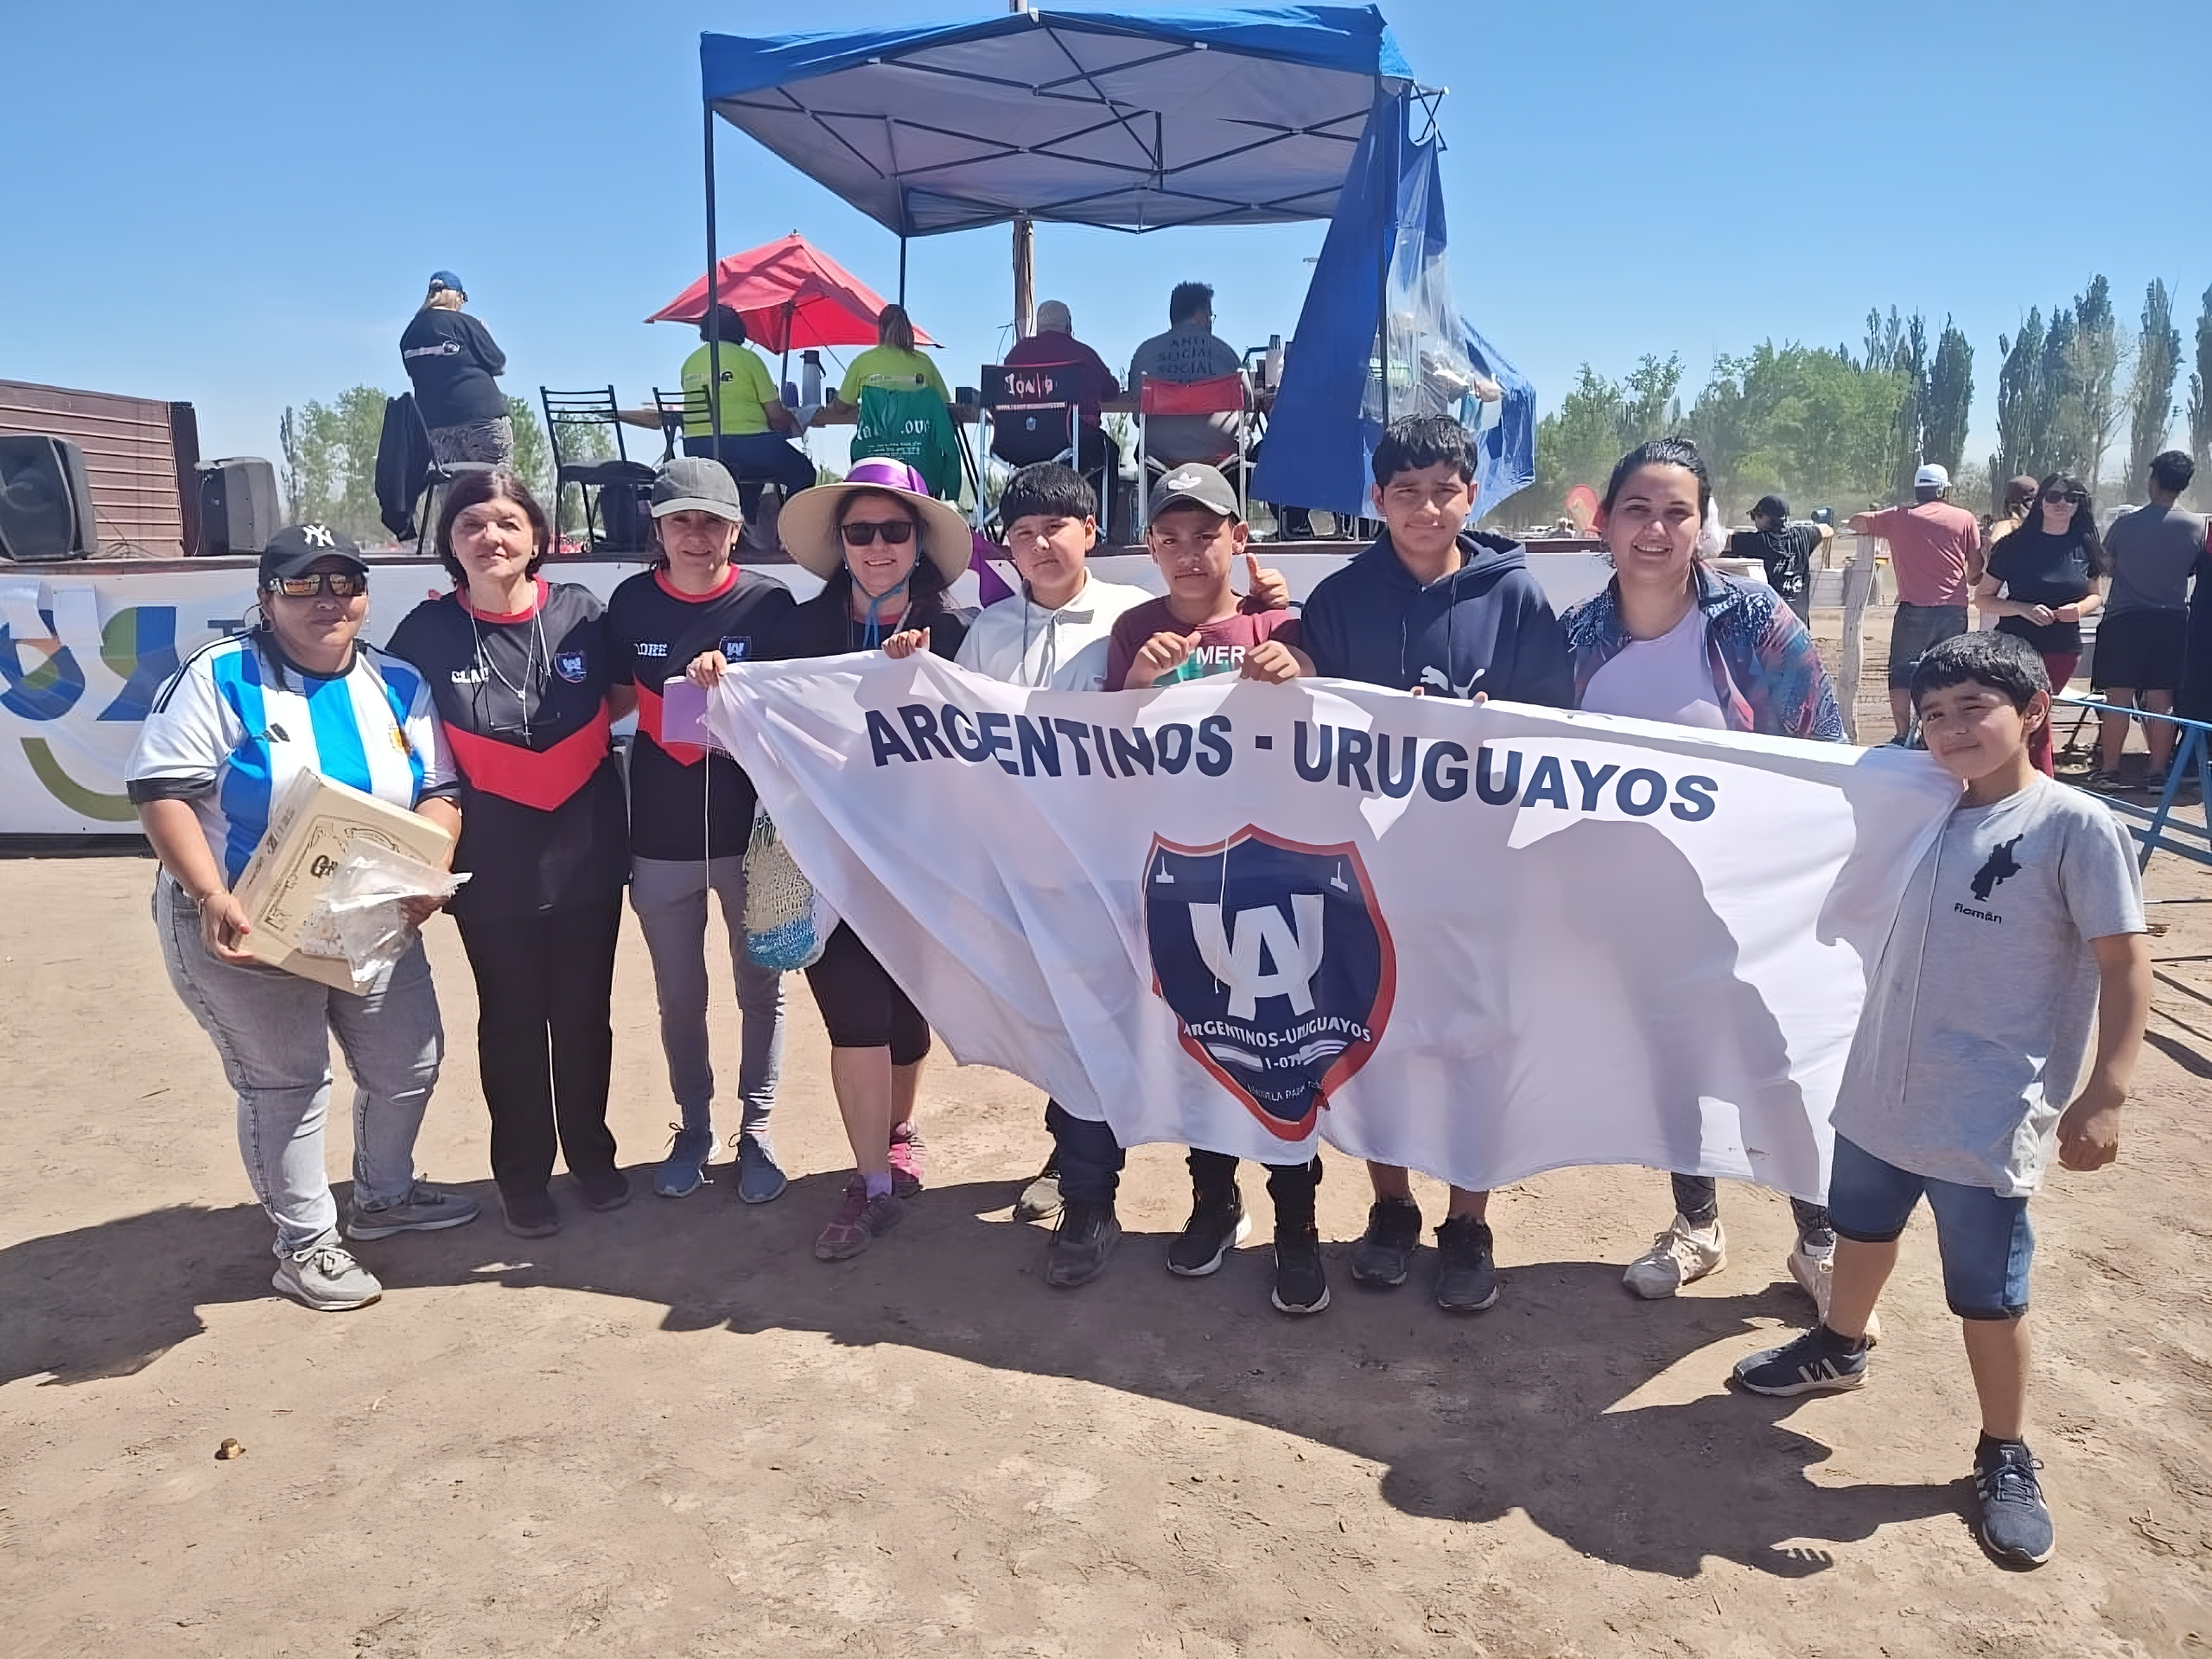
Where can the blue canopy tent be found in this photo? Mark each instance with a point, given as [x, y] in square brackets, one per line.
[1232, 115]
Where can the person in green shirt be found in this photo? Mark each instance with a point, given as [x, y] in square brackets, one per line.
[754, 421]
[894, 357]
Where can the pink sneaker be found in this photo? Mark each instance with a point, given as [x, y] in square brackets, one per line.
[858, 1220]
[905, 1159]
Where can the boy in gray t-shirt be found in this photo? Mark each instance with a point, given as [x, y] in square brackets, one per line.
[2019, 938]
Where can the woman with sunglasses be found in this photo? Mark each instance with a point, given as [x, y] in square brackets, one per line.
[2042, 581]
[886, 553]
[521, 669]
[238, 721]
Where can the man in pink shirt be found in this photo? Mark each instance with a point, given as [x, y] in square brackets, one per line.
[1935, 553]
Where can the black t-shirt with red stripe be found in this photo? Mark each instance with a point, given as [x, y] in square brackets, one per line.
[686, 802]
[523, 698]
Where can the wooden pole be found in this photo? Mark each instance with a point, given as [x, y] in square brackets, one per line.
[1025, 276]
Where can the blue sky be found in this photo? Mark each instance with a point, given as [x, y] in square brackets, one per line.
[239, 204]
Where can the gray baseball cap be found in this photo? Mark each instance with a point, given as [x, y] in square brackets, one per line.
[1194, 484]
[695, 484]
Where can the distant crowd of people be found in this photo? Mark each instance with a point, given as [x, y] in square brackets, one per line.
[492, 712]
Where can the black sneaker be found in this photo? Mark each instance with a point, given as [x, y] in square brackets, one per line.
[610, 1190]
[2015, 1521]
[1819, 1362]
[1384, 1254]
[1466, 1280]
[530, 1215]
[1301, 1282]
[1215, 1227]
[1086, 1236]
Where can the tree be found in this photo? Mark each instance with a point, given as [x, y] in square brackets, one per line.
[1597, 421]
[2200, 401]
[1947, 401]
[330, 460]
[2150, 394]
[2092, 366]
[2018, 390]
[533, 455]
[1814, 423]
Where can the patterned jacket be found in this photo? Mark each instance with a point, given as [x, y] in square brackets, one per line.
[1766, 676]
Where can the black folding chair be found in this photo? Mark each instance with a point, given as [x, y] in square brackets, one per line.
[410, 477]
[691, 408]
[577, 409]
[1034, 413]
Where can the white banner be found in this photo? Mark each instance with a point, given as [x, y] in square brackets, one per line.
[1477, 941]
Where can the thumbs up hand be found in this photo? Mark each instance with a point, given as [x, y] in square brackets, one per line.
[1265, 589]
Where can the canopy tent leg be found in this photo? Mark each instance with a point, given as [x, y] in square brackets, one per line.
[1025, 276]
[902, 273]
[714, 299]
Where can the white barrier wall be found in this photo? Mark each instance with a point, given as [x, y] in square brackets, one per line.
[86, 647]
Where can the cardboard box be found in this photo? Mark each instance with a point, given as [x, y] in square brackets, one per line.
[313, 824]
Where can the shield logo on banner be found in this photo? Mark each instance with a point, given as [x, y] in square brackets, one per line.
[570, 666]
[1277, 963]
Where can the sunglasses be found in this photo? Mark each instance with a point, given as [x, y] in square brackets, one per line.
[339, 584]
[2063, 498]
[896, 533]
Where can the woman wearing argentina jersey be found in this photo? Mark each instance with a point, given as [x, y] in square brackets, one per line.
[691, 814]
[867, 538]
[1671, 638]
[522, 676]
[241, 719]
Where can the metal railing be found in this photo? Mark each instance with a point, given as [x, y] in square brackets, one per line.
[2157, 826]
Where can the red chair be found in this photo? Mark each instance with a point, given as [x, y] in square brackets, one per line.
[1224, 394]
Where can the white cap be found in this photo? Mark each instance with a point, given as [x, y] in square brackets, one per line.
[1931, 477]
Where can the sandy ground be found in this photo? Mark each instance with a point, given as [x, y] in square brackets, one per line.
[670, 1431]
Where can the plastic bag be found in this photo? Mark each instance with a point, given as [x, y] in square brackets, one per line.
[357, 919]
[787, 923]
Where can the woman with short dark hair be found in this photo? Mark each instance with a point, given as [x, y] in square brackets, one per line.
[520, 668]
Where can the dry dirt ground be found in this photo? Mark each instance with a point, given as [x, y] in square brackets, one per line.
[670, 1431]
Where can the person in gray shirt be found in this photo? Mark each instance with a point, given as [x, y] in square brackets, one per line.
[1189, 351]
[2020, 935]
[2143, 637]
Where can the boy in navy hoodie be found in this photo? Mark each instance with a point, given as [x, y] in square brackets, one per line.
[1447, 612]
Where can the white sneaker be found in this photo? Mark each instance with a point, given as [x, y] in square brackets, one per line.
[1814, 1271]
[324, 1275]
[1681, 1255]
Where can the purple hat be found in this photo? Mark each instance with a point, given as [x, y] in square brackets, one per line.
[809, 524]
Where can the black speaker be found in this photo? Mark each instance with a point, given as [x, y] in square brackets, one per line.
[238, 505]
[46, 502]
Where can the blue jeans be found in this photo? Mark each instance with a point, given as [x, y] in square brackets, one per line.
[1984, 1239]
[1087, 1155]
[669, 896]
[272, 1031]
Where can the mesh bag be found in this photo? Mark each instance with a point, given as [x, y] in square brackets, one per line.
[787, 922]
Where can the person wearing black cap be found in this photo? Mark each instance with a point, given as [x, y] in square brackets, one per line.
[237, 723]
[453, 366]
[1786, 550]
[524, 676]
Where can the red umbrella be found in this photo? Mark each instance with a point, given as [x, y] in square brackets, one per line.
[791, 295]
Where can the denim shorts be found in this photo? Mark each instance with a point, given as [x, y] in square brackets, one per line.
[1985, 1240]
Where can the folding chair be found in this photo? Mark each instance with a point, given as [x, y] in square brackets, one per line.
[588, 409]
[1034, 413]
[691, 406]
[1224, 394]
[408, 479]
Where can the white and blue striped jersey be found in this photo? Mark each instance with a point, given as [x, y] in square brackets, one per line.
[225, 735]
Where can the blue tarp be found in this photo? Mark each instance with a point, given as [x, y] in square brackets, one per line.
[1243, 116]
[1380, 338]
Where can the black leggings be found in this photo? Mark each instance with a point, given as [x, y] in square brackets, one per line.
[1698, 1196]
[860, 1005]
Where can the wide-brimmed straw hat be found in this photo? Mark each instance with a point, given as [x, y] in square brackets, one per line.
[808, 525]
